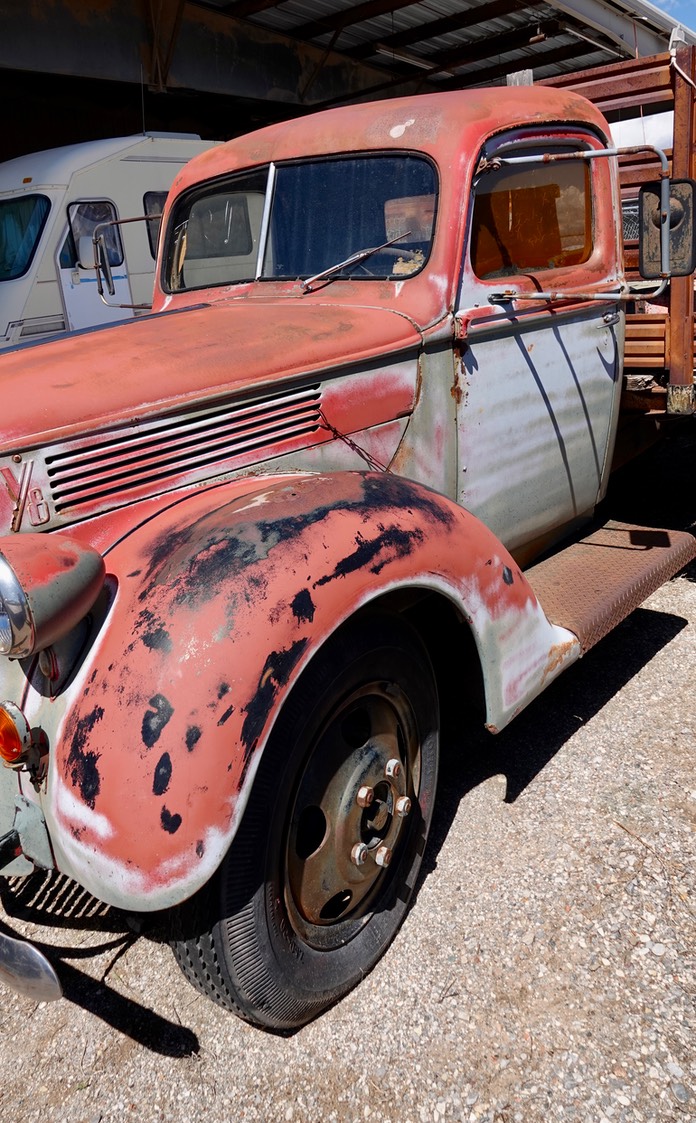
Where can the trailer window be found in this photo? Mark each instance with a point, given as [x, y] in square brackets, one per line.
[531, 218]
[21, 223]
[320, 213]
[153, 203]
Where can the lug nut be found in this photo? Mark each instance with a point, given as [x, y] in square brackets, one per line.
[383, 856]
[402, 806]
[392, 768]
[365, 796]
[358, 854]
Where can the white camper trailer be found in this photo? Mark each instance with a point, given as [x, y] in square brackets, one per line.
[50, 204]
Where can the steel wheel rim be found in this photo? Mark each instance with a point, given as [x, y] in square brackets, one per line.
[352, 814]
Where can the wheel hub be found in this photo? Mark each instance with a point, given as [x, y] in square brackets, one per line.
[351, 809]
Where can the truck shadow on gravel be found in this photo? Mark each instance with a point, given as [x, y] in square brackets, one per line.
[51, 899]
[471, 756]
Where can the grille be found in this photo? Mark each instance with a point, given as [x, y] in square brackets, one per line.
[195, 445]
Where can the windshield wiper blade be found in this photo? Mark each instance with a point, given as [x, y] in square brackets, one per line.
[354, 259]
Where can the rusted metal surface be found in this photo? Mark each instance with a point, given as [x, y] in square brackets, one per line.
[681, 360]
[593, 585]
[215, 472]
[220, 603]
[640, 81]
[668, 81]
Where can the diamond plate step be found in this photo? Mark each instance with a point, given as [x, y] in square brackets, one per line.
[592, 585]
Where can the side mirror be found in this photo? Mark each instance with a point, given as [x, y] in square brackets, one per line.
[682, 233]
[85, 253]
[101, 255]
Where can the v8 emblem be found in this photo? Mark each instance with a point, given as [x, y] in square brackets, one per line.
[25, 497]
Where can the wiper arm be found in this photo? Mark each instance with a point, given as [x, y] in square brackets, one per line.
[354, 259]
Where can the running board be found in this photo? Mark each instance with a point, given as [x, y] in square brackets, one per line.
[590, 586]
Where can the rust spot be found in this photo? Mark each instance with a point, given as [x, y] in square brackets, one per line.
[193, 736]
[277, 670]
[163, 774]
[557, 657]
[157, 639]
[226, 716]
[303, 606]
[375, 553]
[82, 763]
[155, 719]
[170, 823]
[456, 390]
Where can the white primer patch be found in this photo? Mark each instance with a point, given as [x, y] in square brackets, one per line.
[399, 130]
[73, 809]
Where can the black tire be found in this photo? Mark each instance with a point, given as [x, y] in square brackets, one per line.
[320, 874]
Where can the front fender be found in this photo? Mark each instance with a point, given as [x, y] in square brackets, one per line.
[217, 612]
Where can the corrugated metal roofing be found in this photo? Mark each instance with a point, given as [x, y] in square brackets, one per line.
[451, 44]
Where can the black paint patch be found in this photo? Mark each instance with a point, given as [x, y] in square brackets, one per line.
[81, 762]
[155, 719]
[276, 672]
[302, 606]
[226, 716]
[157, 639]
[200, 848]
[163, 774]
[193, 736]
[216, 563]
[223, 689]
[170, 823]
[507, 575]
[135, 573]
[375, 553]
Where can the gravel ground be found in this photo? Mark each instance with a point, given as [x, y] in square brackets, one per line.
[545, 972]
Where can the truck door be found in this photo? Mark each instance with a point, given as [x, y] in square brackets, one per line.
[83, 306]
[541, 377]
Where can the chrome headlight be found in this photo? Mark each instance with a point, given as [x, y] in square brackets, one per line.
[47, 584]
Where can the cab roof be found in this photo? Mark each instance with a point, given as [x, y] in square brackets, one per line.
[439, 125]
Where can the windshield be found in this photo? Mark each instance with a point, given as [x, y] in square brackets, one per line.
[298, 220]
[21, 222]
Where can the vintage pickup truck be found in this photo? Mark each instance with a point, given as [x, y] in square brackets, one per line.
[371, 418]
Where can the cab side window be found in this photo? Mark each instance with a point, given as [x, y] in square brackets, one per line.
[153, 204]
[531, 218]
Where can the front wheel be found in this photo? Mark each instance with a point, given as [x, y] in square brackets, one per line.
[321, 872]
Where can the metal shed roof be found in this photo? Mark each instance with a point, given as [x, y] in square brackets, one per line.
[452, 44]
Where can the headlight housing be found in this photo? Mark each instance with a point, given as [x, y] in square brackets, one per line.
[47, 584]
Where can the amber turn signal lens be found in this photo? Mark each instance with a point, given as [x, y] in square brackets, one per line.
[12, 744]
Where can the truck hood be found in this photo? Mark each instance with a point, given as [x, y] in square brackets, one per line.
[91, 381]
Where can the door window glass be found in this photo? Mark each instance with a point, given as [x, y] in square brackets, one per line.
[530, 218]
[84, 218]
